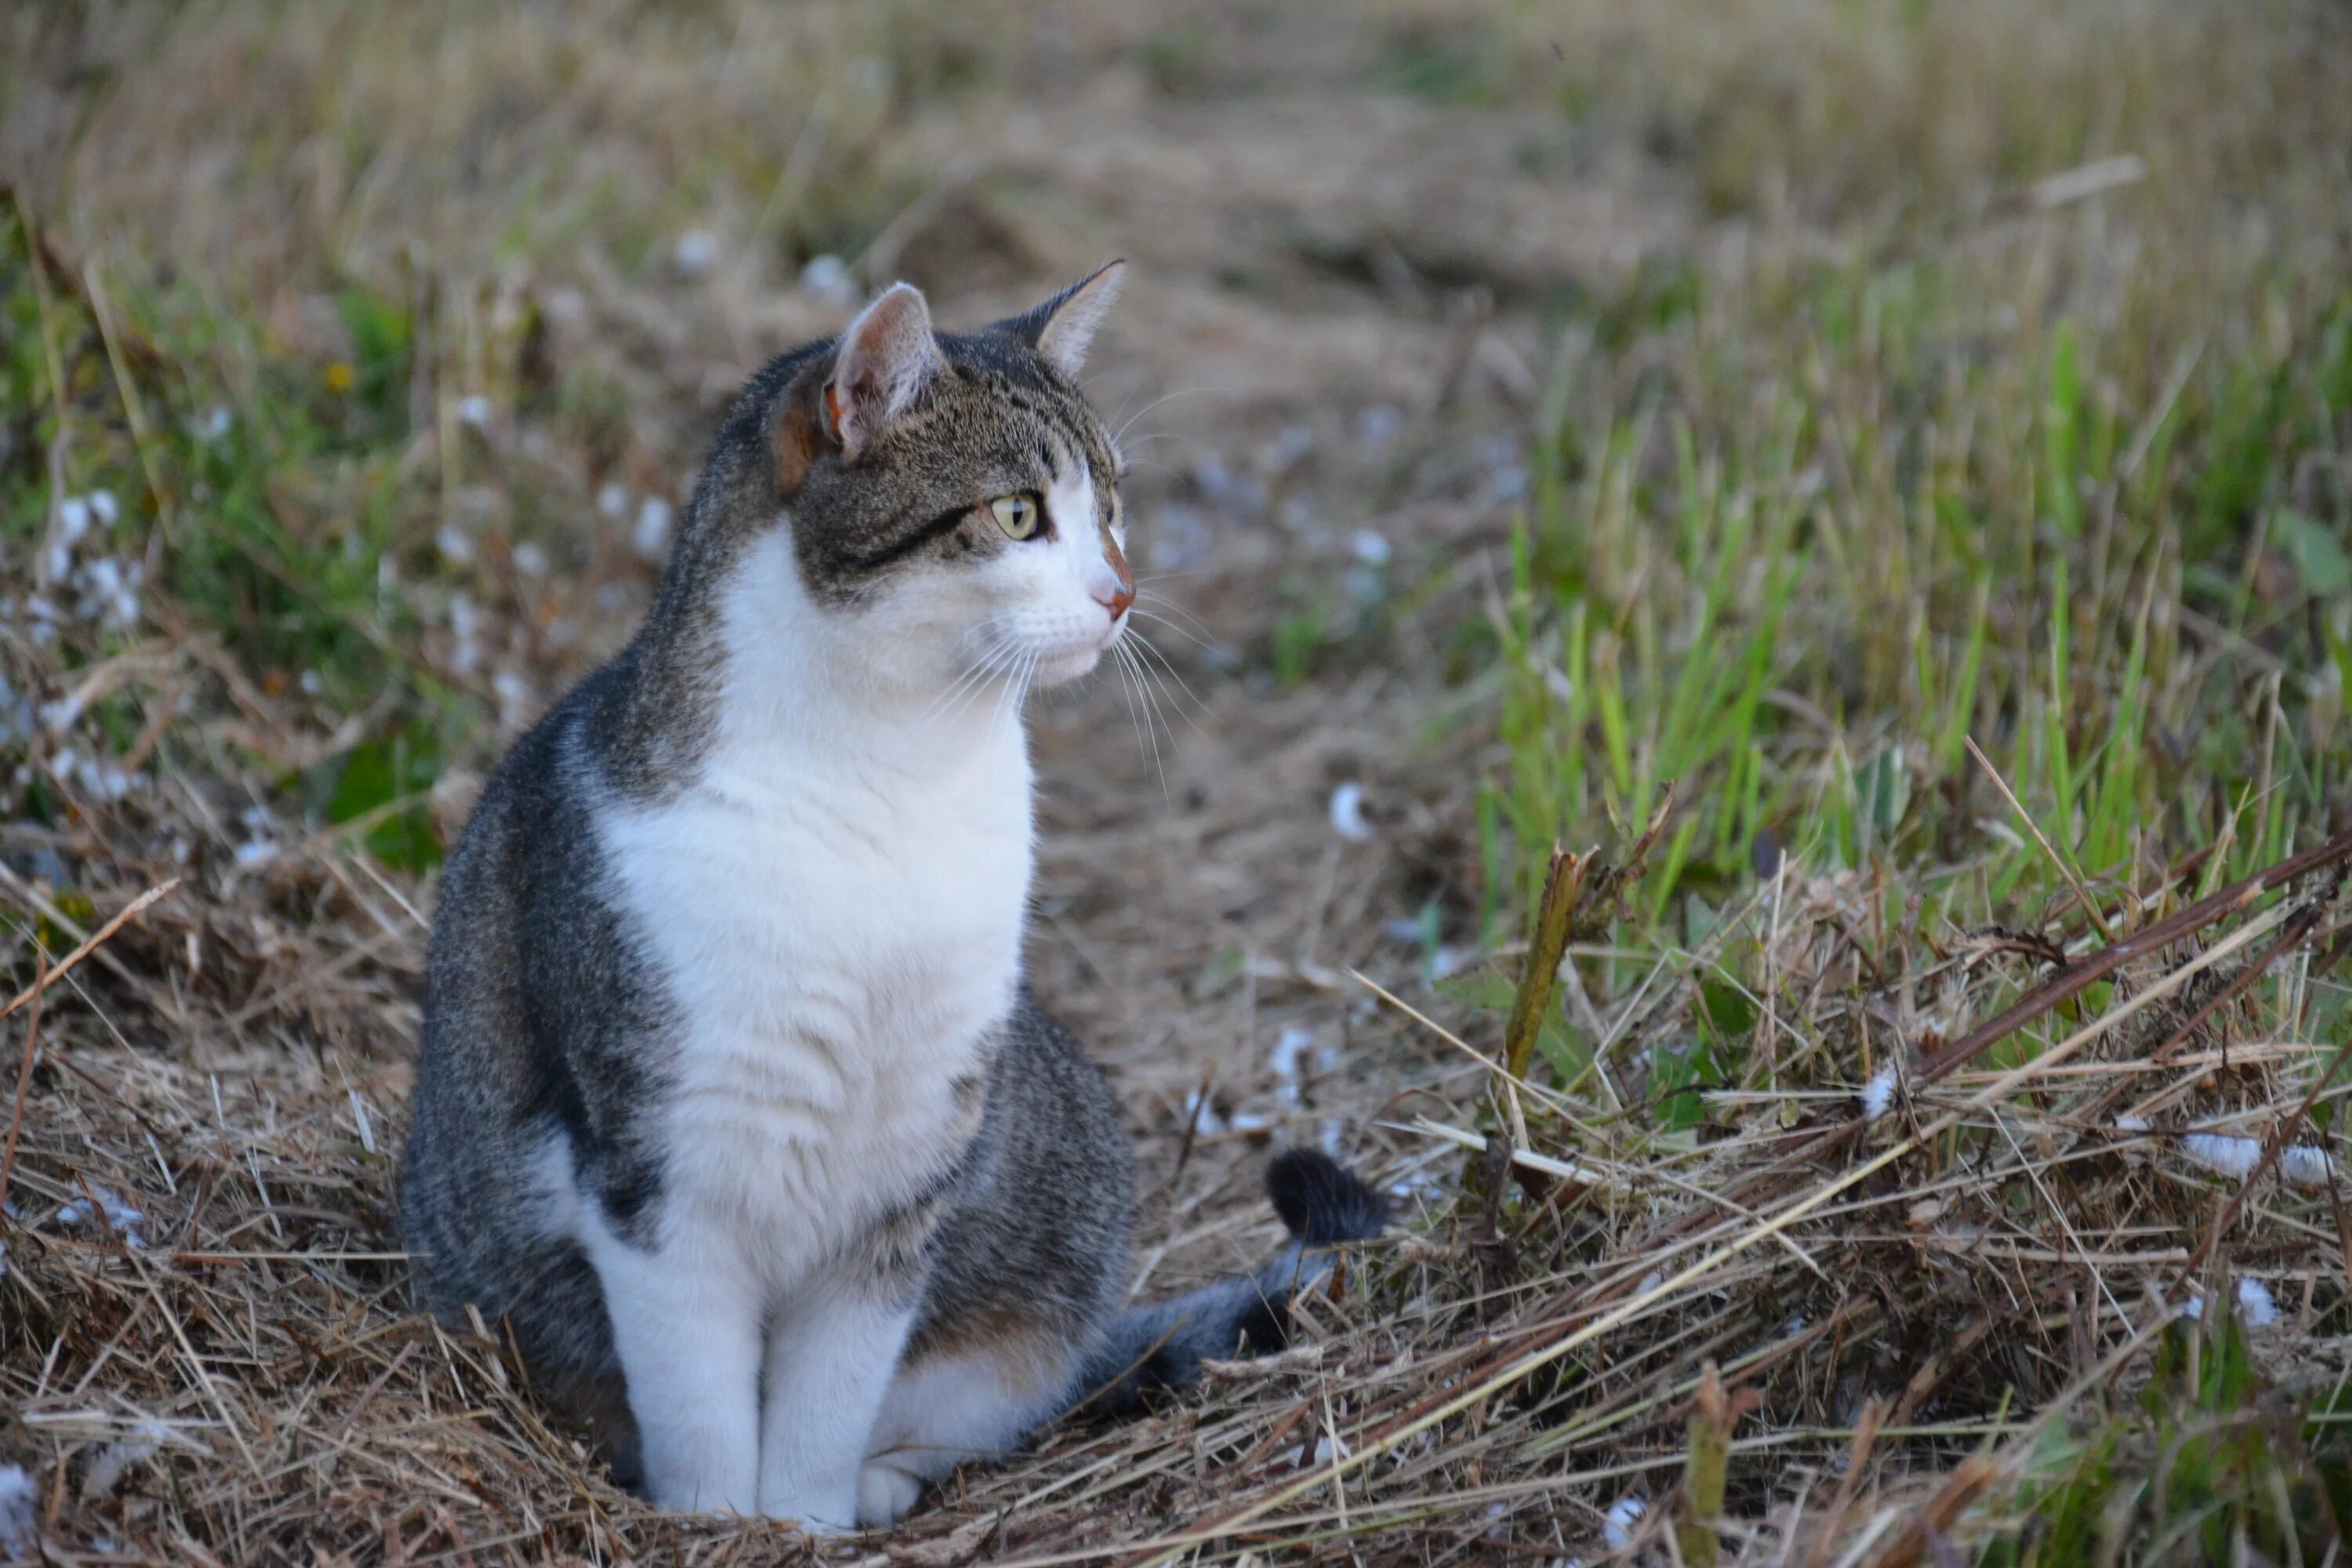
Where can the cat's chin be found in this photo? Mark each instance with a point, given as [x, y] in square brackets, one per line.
[1061, 669]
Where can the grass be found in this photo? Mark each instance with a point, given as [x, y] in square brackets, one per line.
[1944, 523]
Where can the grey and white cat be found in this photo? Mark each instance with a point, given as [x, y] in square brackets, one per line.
[733, 1102]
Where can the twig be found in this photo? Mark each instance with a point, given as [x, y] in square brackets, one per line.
[2205, 911]
[1555, 912]
[2065, 869]
[25, 1073]
[49, 977]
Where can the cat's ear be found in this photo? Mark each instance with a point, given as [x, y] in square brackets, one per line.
[1061, 328]
[885, 358]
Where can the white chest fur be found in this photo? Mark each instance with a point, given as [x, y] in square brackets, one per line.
[838, 935]
[836, 908]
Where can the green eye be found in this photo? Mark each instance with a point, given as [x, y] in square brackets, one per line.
[1016, 515]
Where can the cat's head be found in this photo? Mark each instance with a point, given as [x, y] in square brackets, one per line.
[952, 502]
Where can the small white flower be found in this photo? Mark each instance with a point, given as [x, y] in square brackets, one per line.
[310, 683]
[19, 1512]
[213, 424]
[73, 518]
[115, 1460]
[696, 252]
[650, 537]
[2220, 1151]
[102, 504]
[828, 278]
[1878, 1094]
[1416, 1185]
[612, 497]
[1348, 813]
[1201, 1114]
[119, 1216]
[466, 652]
[1370, 547]
[530, 559]
[455, 546]
[514, 697]
[103, 779]
[58, 563]
[255, 852]
[1283, 453]
[475, 410]
[1285, 1060]
[2255, 1303]
[2305, 1166]
[1617, 1525]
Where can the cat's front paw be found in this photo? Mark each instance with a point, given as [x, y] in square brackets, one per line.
[808, 1521]
[826, 1512]
[885, 1494]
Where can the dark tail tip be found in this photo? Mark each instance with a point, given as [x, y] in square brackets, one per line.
[1322, 1201]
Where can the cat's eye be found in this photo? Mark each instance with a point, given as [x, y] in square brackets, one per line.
[1018, 516]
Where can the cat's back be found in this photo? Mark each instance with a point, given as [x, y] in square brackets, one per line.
[528, 845]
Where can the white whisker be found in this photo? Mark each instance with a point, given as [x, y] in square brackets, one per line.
[1202, 643]
[964, 687]
[1127, 672]
[1144, 646]
[1128, 424]
[1150, 728]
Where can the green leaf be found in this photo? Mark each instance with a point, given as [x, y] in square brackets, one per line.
[2317, 551]
[1729, 1011]
[375, 775]
[1488, 989]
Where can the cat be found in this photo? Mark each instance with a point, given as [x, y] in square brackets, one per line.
[733, 1102]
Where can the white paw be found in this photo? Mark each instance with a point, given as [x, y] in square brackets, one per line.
[807, 1520]
[827, 1512]
[885, 1493]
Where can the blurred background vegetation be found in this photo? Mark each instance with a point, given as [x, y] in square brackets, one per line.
[1771, 397]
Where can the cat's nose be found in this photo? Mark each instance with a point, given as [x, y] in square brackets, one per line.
[1120, 598]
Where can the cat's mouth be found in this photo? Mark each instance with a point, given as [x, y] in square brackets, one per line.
[1030, 658]
[1070, 664]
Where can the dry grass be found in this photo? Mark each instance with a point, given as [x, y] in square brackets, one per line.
[1966, 372]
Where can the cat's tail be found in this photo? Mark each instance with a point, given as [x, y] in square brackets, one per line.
[1161, 1346]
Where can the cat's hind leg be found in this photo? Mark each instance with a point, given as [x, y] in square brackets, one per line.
[977, 1399]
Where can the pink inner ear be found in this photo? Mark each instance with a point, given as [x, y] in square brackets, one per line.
[886, 356]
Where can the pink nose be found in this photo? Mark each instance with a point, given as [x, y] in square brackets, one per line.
[1118, 601]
